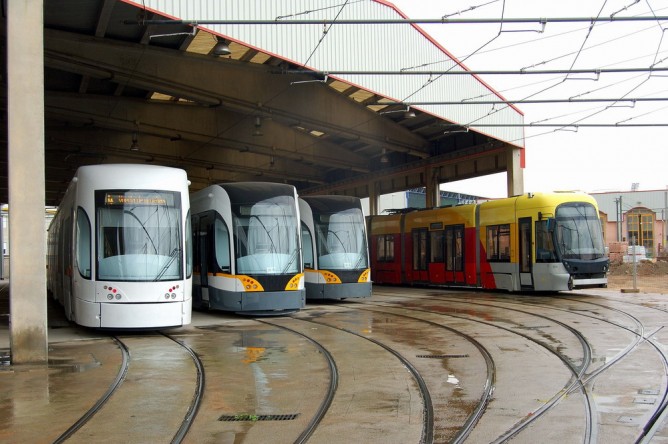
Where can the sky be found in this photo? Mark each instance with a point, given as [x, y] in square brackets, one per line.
[590, 159]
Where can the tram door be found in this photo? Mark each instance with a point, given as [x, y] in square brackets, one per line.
[454, 254]
[525, 252]
[420, 255]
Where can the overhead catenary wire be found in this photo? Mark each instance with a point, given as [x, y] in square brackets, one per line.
[539, 20]
[591, 26]
[555, 125]
[523, 101]
[637, 86]
[588, 20]
[432, 79]
[324, 33]
[574, 124]
[621, 101]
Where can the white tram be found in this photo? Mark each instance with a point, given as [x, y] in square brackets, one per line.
[119, 248]
[336, 255]
[247, 248]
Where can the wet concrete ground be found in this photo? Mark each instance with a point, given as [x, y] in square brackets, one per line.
[405, 366]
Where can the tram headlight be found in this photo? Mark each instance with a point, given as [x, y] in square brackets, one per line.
[173, 295]
[166, 295]
[110, 296]
[118, 297]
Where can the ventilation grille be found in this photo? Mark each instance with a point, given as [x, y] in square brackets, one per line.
[442, 356]
[248, 417]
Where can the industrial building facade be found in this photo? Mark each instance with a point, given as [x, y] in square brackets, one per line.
[635, 216]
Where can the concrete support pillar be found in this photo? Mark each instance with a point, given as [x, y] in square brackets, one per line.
[374, 199]
[432, 191]
[515, 173]
[27, 259]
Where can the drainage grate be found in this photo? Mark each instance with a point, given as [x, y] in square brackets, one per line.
[643, 400]
[627, 420]
[648, 392]
[247, 417]
[441, 356]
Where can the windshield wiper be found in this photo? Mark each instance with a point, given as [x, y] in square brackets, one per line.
[172, 256]
[271, 240]
[293, 256]
[143, 228]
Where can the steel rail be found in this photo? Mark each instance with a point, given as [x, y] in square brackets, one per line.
[428, 422]
[197, 395]
[331, 391]
[575, 384]
[120, 377]
[490, 380]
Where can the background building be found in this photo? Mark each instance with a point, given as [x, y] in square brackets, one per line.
[417, 198]
[635, 214]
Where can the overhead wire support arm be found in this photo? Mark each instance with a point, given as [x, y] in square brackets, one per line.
[562, 125]
[596, 71]
[540, 20]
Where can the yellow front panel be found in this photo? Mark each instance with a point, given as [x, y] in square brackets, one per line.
[296, 283]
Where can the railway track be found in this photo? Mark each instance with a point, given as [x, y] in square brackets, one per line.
[331, 391]
[571, 384]
[98, 428]
[406, 365]
[122, 371]
[428, 416]
[617, 319]
[641, 336]
[428, 409]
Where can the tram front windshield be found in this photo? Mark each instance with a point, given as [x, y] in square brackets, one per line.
[138, 235]
[578, 233]
[341, 240]
[266, 236]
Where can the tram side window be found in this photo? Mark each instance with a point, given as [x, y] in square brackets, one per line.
[188, 246]
[385, 248]
[222, 239]
[83, 243]
[195, 241]
[545, 251]
[307, 247]
[498, 243]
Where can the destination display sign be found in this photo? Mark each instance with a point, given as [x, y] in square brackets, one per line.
[138, 198]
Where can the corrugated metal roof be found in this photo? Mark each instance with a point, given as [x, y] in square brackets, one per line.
[351, 47]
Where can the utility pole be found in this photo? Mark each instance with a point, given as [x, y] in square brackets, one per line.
[664, 216]
[618, 209]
